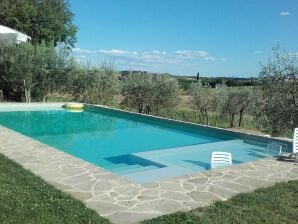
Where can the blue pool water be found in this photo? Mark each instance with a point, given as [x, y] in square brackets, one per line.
[128, 145]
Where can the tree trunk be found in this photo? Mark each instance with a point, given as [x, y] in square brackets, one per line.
[203, 117]
[232, 116]
[44, 98]
[27, 95]
[240, 117]
[1, 96]
[216, 120]
[147, 110]
[207, 118]
[140, 108]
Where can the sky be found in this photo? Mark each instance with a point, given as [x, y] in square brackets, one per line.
[183, 37]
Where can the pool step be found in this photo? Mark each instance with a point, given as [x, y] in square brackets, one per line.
[116, 166]
[123, 167]
[137, 170]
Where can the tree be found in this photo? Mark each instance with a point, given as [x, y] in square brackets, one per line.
[229, 104]
[165, 93]
[48, 20]
[245, 97]
[198, 76]
[279, 91]
[28, 67]
[97, 86]
[149, 93]
[8, 83]
[53, 66]
[203, 98]
[138, 91]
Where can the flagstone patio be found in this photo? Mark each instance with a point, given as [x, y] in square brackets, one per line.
[123, 201]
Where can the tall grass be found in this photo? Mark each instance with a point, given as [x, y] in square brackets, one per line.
[215, 119]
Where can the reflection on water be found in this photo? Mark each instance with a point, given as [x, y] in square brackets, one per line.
[47, 123]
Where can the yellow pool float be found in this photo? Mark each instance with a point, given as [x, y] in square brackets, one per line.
[74, 106]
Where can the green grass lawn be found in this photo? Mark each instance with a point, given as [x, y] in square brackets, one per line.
[25, 198]
[277, 204]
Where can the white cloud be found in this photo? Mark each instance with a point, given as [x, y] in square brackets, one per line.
[145, 59]
[80, 50]
[191, 54]
[115, 52]
[186, 54]
[285, 13]
[258, 52]
[293, 54]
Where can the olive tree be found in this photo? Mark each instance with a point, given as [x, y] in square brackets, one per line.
[279, 91]
[245, 97]
[8, 82]
[233, 101]
[165, 94]
[149, 93]
[24, 68]
[55, 67]
[137, 90]
[28, 68]
[98, 86]
[203, 98]
[227, 103]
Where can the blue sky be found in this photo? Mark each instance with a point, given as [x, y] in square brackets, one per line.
[182, 37]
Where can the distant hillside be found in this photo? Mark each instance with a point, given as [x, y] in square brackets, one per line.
[185, 81]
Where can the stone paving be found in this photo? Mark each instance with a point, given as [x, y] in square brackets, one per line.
[123, 201]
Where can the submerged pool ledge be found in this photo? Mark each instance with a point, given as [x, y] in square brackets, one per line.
[188, 158]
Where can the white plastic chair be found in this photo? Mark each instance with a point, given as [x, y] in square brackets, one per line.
[221, 159]
[295, 142]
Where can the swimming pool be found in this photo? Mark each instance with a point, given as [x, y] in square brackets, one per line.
[141, 148]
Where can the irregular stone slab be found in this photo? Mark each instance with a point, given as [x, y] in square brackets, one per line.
[188, 186]
[86, 186]
[163, 206]
[146, 197]
[203, 197]
[151, 185]
[233, 186]
[105, 208]
[104, 197]
[103, 186]
[52, 175]
[75, 180]
[72, 171]
[198, 181]
[252, 182]
[221, 192]
[170, 186]
[178, 196]
[128, 204]
[128, 191]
